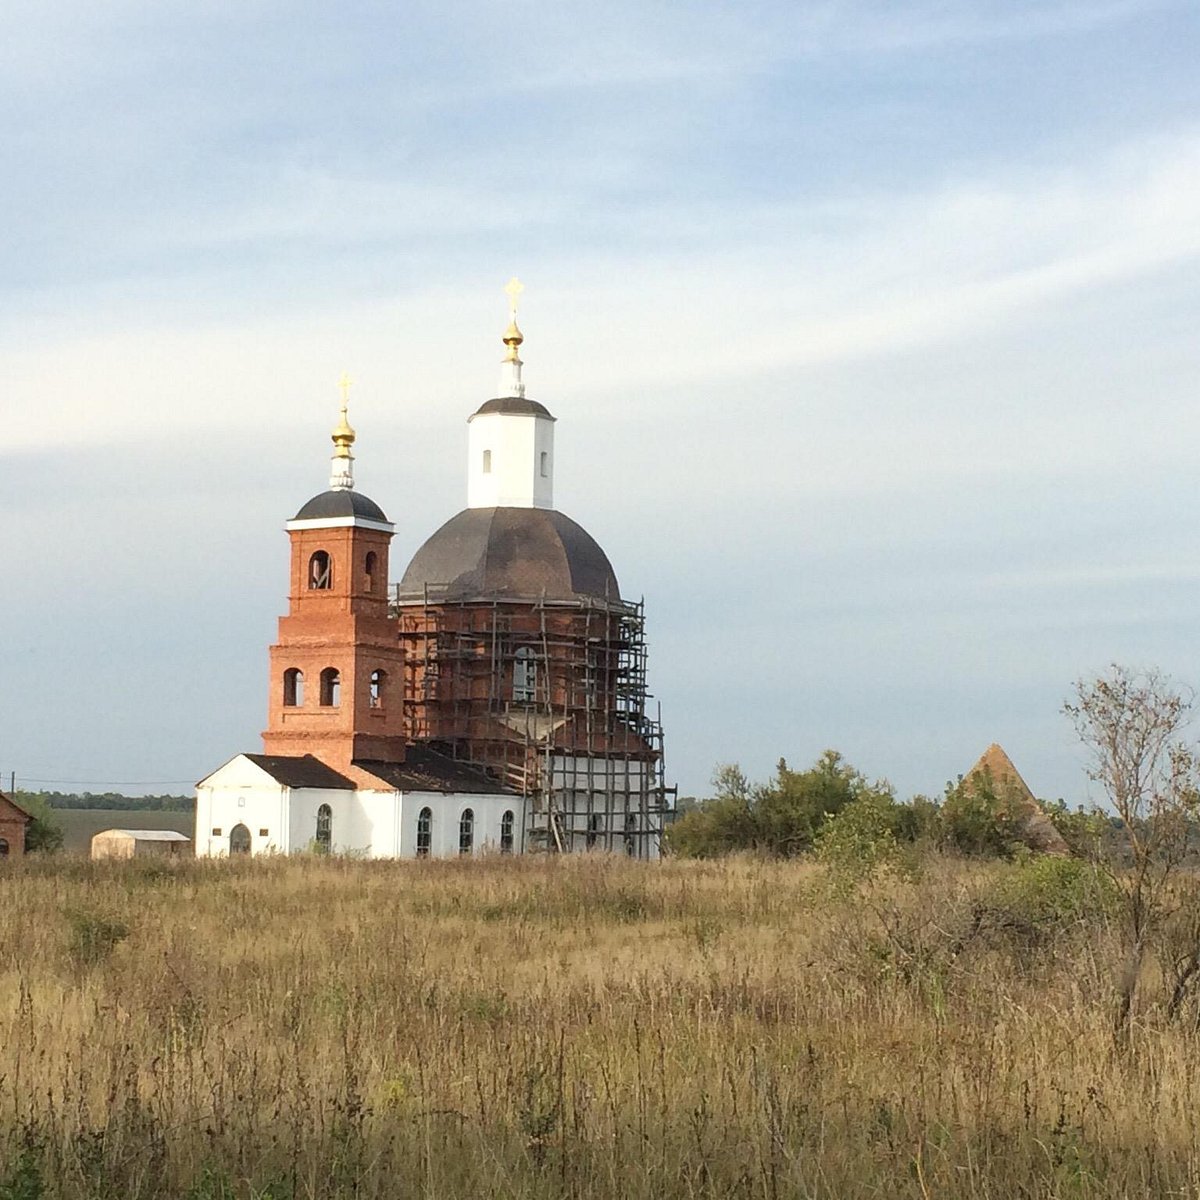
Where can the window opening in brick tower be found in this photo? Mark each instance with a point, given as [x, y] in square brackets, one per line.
[369, 566]
[293, 688]
[524, 676]
[331, 687]
[378, 679]
[320, 572]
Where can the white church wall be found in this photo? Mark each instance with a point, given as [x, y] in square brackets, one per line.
[447, 811]
[374, 824]
[351, 827]
[240, 793]
[514, 474]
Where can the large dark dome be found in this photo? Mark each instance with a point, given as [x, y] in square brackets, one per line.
[340, 502]
[514, 553]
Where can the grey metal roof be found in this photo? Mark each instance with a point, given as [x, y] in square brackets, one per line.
[425, 770]
[151, 835]
[300, 771]
[518, 553]
[340, 502]
[518, 405]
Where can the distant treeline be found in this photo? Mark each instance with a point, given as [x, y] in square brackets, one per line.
[105, 800]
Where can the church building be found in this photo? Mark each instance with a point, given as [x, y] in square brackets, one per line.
[494, 699]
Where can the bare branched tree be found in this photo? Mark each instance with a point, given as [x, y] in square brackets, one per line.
[1133, 724]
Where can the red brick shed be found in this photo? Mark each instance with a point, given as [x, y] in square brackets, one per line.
[13, 822]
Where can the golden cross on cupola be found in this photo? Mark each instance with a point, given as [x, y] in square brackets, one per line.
[343, 435]
[513, 289]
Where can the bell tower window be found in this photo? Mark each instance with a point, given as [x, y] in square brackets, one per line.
[545, 464]
[371, 563]
[293, 688]
[378, 680]
[524, 676]
[320, 572]
[487, 462]
[331, 687]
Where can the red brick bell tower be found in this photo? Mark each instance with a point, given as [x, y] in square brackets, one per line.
[337, 670]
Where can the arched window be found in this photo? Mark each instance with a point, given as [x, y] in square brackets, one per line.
[506, 832]
[293, 687]
[324, 838]
[466, 831]
[545, 464]
[593, 830]
[524, 676]
[424, 832]
[239, 840]
[487, 462]
[3, 848]
[378, 679]
[320, 572]
[631, 824]
[331, 687]
[372, 561]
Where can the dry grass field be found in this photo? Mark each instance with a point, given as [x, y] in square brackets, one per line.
[577, 1027]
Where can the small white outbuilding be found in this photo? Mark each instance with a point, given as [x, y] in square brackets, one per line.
[140, 843]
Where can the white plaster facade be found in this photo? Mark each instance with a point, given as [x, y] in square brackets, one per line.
[368, 823]
[510, 460]
[619, 789]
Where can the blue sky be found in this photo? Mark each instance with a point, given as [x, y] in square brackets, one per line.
[870, 328]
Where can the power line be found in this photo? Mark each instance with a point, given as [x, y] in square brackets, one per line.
[111, 782]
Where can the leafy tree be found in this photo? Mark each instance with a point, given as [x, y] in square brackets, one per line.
[782, 817]
[43, 833]
[94, 800]
[978, 818]
[1087, 832]
[1132, 724]
[861, 839]
[717, 826]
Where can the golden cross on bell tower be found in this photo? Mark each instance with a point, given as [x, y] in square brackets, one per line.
[513, 289]
[344, 386]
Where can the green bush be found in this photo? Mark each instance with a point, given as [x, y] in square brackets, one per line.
[781, 818]
[1052, 894]
[92, 938]
[981, 820]
[859, 840]
[43, 834]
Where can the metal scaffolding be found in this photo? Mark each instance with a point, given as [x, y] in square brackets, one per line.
[549, 695]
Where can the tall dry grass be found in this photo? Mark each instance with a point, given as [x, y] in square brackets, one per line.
[568, 1027]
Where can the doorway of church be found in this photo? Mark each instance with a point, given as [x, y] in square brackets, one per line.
[239, 840]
